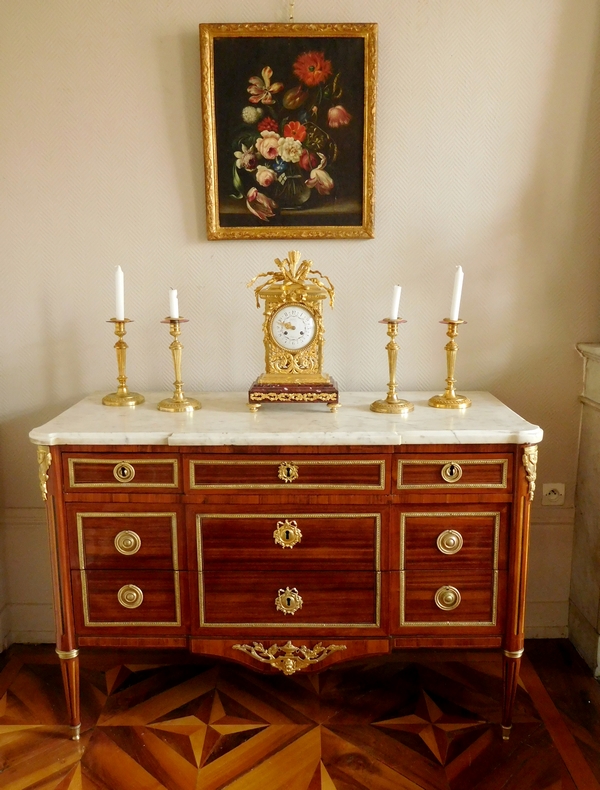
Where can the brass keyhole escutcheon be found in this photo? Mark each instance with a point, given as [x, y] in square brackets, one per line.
[288, 472]
[128, 542]
[124, 472]
[130, 596]
[287, 534]
[451, 472]
[449, 541]
[288, 601]
[447, 598]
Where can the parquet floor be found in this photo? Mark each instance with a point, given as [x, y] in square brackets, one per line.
[412, 721]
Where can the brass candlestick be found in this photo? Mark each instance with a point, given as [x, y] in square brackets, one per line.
[392, 404]
[178, 402]
[122, 397]
[450, 400]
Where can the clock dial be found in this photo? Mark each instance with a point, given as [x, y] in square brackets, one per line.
[293, 327]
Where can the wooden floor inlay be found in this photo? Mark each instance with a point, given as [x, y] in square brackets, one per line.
[401, 723]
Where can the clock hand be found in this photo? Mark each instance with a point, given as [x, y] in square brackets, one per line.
[285, 325]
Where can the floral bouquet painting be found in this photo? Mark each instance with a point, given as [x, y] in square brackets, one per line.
[289, 134]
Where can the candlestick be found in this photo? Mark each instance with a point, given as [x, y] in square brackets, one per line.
[122, 397]
[119, 294]
[178, 402]
[173, 303]
[450, 400]
[456, 294]
[395, 302]
[392, 403]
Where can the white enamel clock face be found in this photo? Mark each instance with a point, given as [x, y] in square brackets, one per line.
[293, 327]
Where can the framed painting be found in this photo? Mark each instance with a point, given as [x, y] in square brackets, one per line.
[289, 129]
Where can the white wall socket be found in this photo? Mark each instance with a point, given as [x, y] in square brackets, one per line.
[553, 494]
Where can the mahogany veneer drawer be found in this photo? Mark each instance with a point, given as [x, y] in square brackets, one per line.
[456, 471]
[129, 598]
[292, 541]
[351, 600]
[458, 598]
[287, 473]
[140, 537]
[452, 538]
[121, 472]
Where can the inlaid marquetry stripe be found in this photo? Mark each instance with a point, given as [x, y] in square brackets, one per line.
[288, 486]
[451, 623]
[134, 462]
[503, 462]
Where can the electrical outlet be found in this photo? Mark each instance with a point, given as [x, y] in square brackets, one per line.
[553, 494]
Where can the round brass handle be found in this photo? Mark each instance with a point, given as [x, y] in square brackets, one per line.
[288, 472]
[130, 596]
[449, 541]
[123, 472]
[287, 534]
[128, 542]
[451, 472]
[447, 598]
[288, 601]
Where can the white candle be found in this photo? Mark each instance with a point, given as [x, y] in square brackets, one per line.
[173, 303]
[455, 303]
[119, 294]
[395, 302]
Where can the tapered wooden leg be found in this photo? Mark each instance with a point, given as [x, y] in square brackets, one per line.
[511, 666]
[69, 665]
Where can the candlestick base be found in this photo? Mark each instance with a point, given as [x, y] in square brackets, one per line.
[175, 405]
[449, 402]
[392, 407]
[129, 399]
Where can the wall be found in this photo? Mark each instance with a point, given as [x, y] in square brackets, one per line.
[488, 156]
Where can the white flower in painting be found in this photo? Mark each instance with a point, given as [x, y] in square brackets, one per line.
[290, 150]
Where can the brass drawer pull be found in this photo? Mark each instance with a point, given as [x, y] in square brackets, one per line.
[447, 598]
[451, 472]
[288, 601]
[128, 542]
[287, 534]
[124, 472]
[130, 596]
[288, 472]
[449, 541]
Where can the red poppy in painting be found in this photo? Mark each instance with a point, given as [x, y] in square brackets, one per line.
[312, 69]
[296, 130]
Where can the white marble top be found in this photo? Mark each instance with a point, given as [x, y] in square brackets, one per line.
[226, 420]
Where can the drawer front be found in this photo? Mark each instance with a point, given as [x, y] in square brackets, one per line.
[121, 472]
[445, 539]
[454, 472]
[288, 599]
[129, 598]
[451, 599]
[288, 473]
[292, 541]
[142, 539]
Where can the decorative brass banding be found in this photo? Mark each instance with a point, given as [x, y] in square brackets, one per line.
[289, 658]
[65, 655]
[287, 534]
[451, 472]
[288, 601]
[501, 463]
[288, 472]
[449, 541]
[124, 472]
[130, 596]
[514, 653]
[447, 598]
[506, 732]
[128, 542]
[530, 457]
[75, 732]
[44, 460]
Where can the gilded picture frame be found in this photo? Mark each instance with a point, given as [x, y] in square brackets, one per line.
[288, 115]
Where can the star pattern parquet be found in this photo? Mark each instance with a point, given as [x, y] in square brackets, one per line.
[398, 723]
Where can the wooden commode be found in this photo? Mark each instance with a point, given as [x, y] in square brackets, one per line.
[290, 538]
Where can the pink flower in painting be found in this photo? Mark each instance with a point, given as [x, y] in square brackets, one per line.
[261, 90]
[338, 116]
[267, 144]
[260, 205]
[246, 158]
[319, 179]
[265, 176]
[308, 160]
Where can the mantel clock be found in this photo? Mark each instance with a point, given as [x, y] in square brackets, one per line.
[293, 334]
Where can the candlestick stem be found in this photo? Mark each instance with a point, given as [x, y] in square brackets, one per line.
[450, 400]
[122, 397]
[178, 401]
[392, 403]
